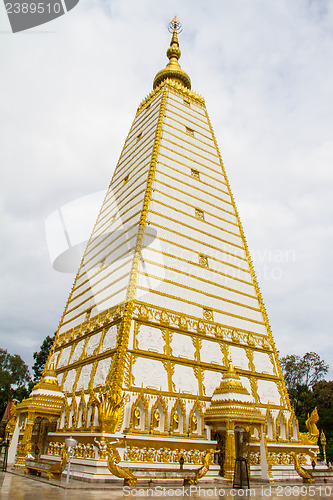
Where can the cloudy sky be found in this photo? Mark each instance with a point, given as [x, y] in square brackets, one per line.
[70, 89]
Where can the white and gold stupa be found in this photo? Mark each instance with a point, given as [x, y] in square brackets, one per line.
[164, 345]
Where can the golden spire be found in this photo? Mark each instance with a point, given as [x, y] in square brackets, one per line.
[173, 69]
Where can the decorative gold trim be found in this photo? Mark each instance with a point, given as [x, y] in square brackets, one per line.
[173, 421]
[187, 237]
[160, 400]
[197, 406]
[292, 419]
[217, 331]
[210, 257]
[202, 258]
[261, 303]
[269, 415]
[249, 353]
[82, 405]
[254, 388]
[96, 293]
[226, 313]
[196, 126]
[190, 151]
[193, 195]
[178, 89]
[278, 427]
[189, 132]
[203, 167]
[115, 378]
[169, 84]
[149, 99]
[133, 428]
[192, 112]
[199, 214]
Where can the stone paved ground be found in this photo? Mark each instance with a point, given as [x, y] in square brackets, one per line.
[19, 487]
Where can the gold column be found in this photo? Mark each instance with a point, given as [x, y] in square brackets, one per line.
[264, 456]
[168, 365]
[323, 443]
[115, 378]
[24, 448]
[269, 460]
[230, 453]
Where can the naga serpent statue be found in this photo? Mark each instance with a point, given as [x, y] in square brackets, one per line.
[110, 404]
[305, 474]
[312, 436]
[113, 458]
[202, 471]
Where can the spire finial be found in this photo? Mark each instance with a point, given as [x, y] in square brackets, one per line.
[175, 26]
[173, 69]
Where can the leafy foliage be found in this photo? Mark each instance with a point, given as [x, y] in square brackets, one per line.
[14, 379]
[307, 390]
[303, 371]
[41, 356]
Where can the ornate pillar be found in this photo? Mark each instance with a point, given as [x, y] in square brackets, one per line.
[247, 449]
[263, 456]
[230, 454]
[24, 447]
[13, 443]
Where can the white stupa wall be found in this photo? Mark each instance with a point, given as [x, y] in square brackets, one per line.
[185, 380]
[150, 374]
[182, 346]
[102, 280]
[176, 281]
[102, 371]
[263, 363]
[239, 358]
[268, 392]
[211, 380]
[187, 265]
[84, 377]
[210, 352]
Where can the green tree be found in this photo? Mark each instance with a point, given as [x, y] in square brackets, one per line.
[14, 378]
[306, 370]
[307, 390]
[41, 356]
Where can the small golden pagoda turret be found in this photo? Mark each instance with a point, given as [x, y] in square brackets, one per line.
[43, 407]
[231, 406]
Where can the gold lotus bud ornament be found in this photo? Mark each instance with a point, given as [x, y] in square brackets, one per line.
[137, 417]
[156, 421]
[175, 422]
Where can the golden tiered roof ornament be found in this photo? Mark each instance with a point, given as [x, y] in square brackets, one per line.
[231, 400]
[46, 402]
[173, 70]
[47, 382]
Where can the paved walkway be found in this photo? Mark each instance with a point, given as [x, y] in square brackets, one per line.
[18, 487]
